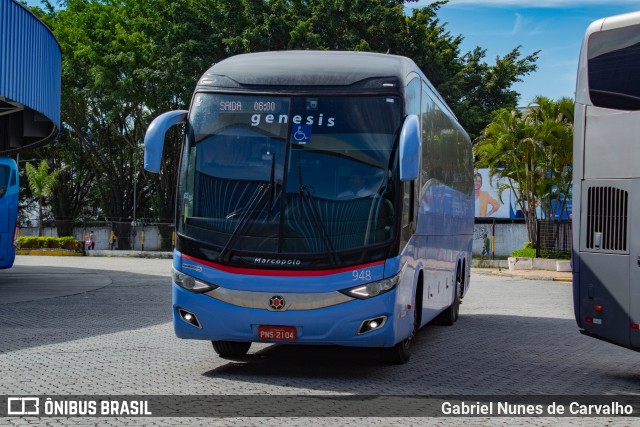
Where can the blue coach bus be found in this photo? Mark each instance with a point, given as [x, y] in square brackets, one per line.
[323, 198]
[9, 186]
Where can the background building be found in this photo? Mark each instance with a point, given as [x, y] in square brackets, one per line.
[30, 80]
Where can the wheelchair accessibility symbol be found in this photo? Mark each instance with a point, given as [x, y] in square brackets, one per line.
[301, 134]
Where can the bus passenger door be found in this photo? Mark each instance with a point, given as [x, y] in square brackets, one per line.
[634, 264]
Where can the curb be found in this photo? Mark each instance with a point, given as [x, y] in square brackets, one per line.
[522, 274]
[129, 254]
[41, 252]
[97, 253]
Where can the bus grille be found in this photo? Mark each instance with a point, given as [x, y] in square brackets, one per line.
[607, 218]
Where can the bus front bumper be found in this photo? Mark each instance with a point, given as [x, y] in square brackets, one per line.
[335, 325]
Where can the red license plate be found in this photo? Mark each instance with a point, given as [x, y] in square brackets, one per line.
[277, 333]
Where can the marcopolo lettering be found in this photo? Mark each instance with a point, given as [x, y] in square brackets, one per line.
[320, 120]
[276, 261]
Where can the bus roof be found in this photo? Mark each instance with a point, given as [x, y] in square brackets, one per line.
[612, 22]
[311, 68]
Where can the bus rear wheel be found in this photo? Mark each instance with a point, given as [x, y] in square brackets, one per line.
[451, 314]
[231, 348]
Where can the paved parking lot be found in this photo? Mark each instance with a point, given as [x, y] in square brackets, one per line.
[514, 337]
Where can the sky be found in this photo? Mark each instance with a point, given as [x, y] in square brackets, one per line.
[554, 27]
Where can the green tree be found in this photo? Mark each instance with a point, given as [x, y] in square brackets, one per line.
[554, 123]
[127, 61]
[509, 149]
[472, 87]
[478, 89]
[533, 151]
[71, 197]
[41, 183]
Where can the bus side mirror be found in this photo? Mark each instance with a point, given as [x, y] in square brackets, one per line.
[154, 138]
[410, 149]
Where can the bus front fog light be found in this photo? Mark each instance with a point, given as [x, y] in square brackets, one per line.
[370, 325]
[189, 317]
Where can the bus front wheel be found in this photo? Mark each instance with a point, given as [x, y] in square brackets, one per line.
[231, 348]
[400, 353]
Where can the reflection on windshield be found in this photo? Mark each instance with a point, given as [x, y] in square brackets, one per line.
[320, 166]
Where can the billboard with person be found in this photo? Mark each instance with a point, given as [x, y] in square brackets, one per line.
[487, 197]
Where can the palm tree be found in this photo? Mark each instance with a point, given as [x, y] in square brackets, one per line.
[509, 148]
[41, 183]
[533, 150]
[554, 121]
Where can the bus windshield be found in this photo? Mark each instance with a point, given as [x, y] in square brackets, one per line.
[289, 174]
[5, 172]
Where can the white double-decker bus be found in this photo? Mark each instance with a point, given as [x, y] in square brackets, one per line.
[606, 188]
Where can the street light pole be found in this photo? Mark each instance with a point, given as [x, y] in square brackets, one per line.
[135, 191]
[135, 184]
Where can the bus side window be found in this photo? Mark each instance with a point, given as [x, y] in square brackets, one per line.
[13, 178]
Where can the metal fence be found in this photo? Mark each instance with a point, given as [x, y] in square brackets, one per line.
[138, 235]
[505, 236]
[554, 239]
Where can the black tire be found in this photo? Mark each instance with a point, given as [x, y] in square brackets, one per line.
[452, 313]
[231, 348]
[400, 353]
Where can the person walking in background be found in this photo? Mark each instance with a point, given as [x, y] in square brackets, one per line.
[486, 244]
[484, 199]
[92, 241]
[113, 240]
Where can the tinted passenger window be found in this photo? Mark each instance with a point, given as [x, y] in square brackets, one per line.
[614, 67]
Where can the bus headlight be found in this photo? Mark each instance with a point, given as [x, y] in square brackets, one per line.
[190, 283]
[372, 289]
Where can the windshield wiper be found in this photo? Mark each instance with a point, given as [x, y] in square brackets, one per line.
[249, 213]
[315, 215]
